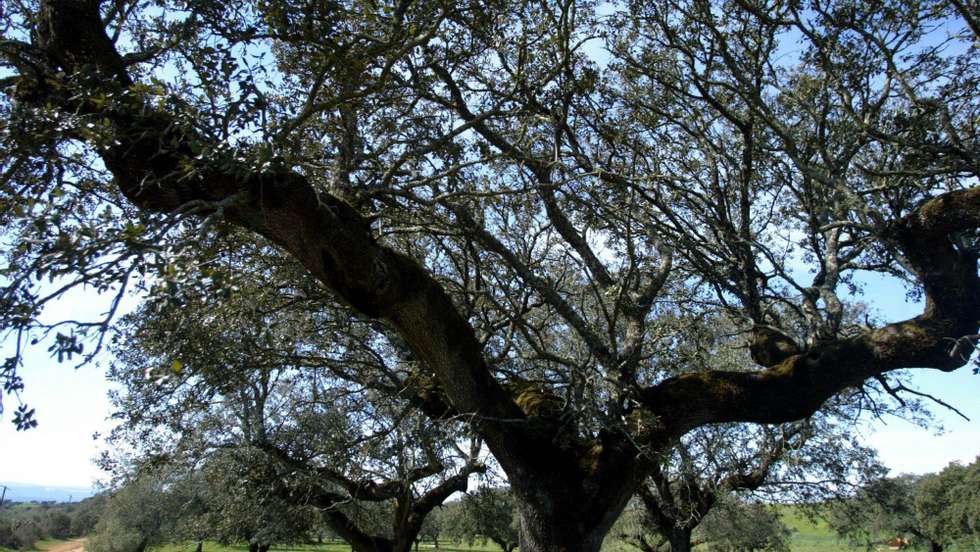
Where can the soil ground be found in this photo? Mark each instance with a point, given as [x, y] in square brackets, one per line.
[75, 545]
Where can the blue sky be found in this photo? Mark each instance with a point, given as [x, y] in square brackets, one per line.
[902, 446]
[72, 405]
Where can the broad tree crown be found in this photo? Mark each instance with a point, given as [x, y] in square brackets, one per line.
[535, 201]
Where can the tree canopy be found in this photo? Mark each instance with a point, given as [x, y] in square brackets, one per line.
[532, 204]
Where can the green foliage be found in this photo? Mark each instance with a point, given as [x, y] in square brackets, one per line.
[137, 515]
[86, 514]
[569, 194]
[936, 509]
[485, 514]
[881, 510]
[23, 525]
[220, 500]
[947, 507]
[738, 526]
[59, 525]
[238, 504]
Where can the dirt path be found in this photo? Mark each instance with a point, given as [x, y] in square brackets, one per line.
[77, 545]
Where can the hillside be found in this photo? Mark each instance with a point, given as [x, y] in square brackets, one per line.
[26, 492]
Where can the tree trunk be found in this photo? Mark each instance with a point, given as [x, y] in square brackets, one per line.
[935, 547]
[405, 538]
[566, 510]
[541, 532]
[375, 545]
[680, 540]
[199, 547]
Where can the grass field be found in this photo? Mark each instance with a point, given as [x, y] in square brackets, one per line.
[812, 537]
[807, 537]
[326, 547]
[47, 544]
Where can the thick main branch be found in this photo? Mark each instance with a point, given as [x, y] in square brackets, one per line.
[796, 387]
[328, 236]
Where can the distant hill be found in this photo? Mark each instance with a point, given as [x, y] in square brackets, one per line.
[24, 492]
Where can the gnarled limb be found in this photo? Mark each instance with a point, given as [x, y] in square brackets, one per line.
[330, 238]
[797, 386]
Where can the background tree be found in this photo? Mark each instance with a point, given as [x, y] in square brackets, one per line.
[803, 463]
[937, 510]
[947, 507]
[286, 400]
[138, 514]
[240, 506]
[487, 513]
[23, 524]
[739, 526]
[882, 510]
[58, 524]
[20, 530]
[432, 528]
[86, 513]
[535, 225]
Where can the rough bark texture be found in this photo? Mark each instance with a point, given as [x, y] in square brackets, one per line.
[555, 531]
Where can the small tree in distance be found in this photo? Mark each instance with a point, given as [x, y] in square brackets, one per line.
[137, 515]
[738, 526]
[488, 513]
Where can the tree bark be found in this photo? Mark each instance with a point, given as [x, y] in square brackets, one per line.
[558, 534]
[567, 519]
[680, 540]
[404, 541]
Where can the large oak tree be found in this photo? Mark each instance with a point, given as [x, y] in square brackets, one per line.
[534, 200]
